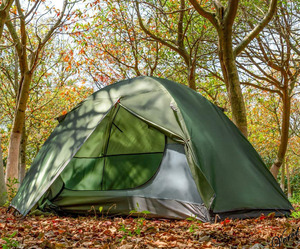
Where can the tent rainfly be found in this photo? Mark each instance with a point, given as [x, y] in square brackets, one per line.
[150, 144]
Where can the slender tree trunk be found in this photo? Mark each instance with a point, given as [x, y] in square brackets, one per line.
[288, 178]
[192, 76]
[12, 167]
[22, 164]
[27, 66]
[231, 76]
[282, 184]
[3, 191]
[284, 138]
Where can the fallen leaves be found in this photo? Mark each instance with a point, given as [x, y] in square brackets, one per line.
[97, 232]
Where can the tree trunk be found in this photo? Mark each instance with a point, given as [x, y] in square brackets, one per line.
[12, 167]
[27, 66]
[288, 179]
[3, 191]
[282, 185]
[231, 76]
[22, 164]
[192, 76]
[285, 120]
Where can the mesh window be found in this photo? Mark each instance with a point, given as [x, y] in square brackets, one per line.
[123, 152]
[131, 135]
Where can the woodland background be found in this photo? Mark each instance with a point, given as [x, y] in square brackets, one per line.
[244, 56]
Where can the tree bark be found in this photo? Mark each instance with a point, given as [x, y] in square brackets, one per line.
[3, 191]
[12, 171]
[22, 163]
[192, 75]
[288, 179]
[284, 138]
[4, 10]
[12, 167]
[232, 82]
[282, 184]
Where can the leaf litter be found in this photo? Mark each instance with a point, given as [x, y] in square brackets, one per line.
[110, 233]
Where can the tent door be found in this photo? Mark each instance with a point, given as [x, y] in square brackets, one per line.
[123, 152]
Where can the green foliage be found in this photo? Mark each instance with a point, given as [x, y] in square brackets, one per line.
[10, 241]
[138, 224]
[295, 214]
[12, 188]
[135, 230]
[193, 220]
[295, 183]
[295, 186]
[101, 211]
[295, 198]
[127, 232]
[135, 211]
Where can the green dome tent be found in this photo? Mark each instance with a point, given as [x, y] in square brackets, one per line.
[150, 144]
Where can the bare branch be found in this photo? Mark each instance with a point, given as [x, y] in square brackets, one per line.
[34, 7]
[153, 36]
[248, 38]
[296, 50]
[262, 88]
[14, 36]
[209, 16]
[161, 11]
[180, 25]
[58, 22]
[269, 78]
[35, 57]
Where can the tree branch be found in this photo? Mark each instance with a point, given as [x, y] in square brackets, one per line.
[208, 15]
[156, 38]
[180, 25]
[4, 13]
[248, 38]
[296, 50]
[230, 12]
[270, 79]
[17, 42]
[262, 88]
[35, 57]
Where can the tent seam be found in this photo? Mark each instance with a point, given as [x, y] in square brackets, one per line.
[187, 141]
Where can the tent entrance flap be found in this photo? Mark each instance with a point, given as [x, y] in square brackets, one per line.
[123, 152]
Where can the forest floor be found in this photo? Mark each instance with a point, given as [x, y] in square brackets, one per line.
[98, 232]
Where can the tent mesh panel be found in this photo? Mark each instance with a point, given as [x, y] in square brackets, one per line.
[122, 153]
